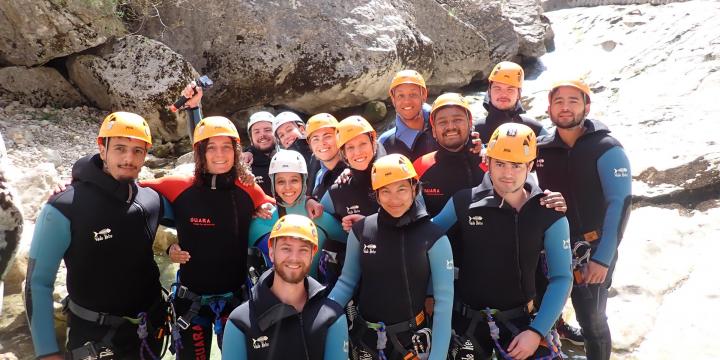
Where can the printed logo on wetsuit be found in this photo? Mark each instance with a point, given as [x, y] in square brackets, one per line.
[103, 234]
[369, 248]
[475, 220]
[539, 163]
[346, 346]
[621, 172]
[200, 221]
[432, 191]
[449, 264]
[259, 180]
[566, 244]
[352, 209]
[261, 342]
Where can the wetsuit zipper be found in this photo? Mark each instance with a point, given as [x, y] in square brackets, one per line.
[517, 251]
[302, 336]
[405, 275]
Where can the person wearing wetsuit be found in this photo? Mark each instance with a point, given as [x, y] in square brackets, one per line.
[288, 174]
[412, 134]
[349, 201]
[503, 230]
[452, 167]
[589, 166]
[102, 226]
[289, 131]
[262, 146]
[212, 211]
[326, 163]
[392, 257]
[288, 316]
[502, 101]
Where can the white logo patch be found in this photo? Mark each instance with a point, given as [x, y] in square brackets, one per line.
[621, 172]
[566, 244]
[259, 180]
[449, 264]
[369, 248]
[346, 347]
[539, 163]
[354, 209]
[103, 234]
[261, 342]
[475, 220]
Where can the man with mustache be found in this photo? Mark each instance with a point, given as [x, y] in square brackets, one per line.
[502, 101]
[103, 226]
[288, 315]
[590, 167]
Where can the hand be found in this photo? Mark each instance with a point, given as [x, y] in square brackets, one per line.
[594, 273]
[247, 157]
[264, 211]
[477, 143]
[177, 255]
[349, 220]
[554, 200]
[60, 187]
[344, 177]
[313, 208]
[194, 94]
[429, 305]
[524, 345]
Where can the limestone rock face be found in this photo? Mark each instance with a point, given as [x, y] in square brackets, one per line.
[139, 75]
[38, 87]
[32, 32]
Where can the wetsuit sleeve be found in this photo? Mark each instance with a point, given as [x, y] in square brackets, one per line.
[336, 342]
[168, 217]
[332, 227]
[557, 250]
[50, 241]
[259, 227]
[234, 344]
[617, 188]
[345, 286]
[442, 271]
[543, 131]
[327, 203]
[447, 217]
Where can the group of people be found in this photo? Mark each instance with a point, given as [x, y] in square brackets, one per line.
[323, 240]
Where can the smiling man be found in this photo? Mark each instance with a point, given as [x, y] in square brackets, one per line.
[262, 146]
[102, 226]
[288, 315]
[326, 164]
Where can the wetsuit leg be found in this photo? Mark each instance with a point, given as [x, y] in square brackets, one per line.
[590, 302]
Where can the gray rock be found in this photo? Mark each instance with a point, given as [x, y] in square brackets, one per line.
[33, 32]
[375, 111]
[136, 74]
[39, 86]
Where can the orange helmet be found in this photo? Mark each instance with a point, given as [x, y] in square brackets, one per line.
[320, 121]
[351, 127]
[391, 168]
[407, 77]
[508, 73]
[296, 226]
[449, 99]
[125, 124]
[215, 126]
[576, 83]
[513, 142]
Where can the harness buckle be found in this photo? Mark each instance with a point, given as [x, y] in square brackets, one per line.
[182, 323]
[181, 292]
[101, 318]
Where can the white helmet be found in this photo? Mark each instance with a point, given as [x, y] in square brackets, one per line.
[286, 117]
[258, 117]
[288, 161]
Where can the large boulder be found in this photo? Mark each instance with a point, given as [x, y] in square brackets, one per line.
[136, 74]
[33, 32]
[317, 56]
[38, 87]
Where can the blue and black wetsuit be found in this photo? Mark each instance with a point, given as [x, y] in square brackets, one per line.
[497, 117]
[212, 217]
[264, 328]
[354, 197]
[320, 178]
[595, 179]
[260, 167]
[499, 249]
[409, 142]
[104, 230]
[391, 261]
[331, 240]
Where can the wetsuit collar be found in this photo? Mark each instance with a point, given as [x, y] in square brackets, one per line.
[416, 212]
[553, 140]
[494, 112]
[90, 169]
[270, 309]
[261, 158]
[220, 181]
[484, 195]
